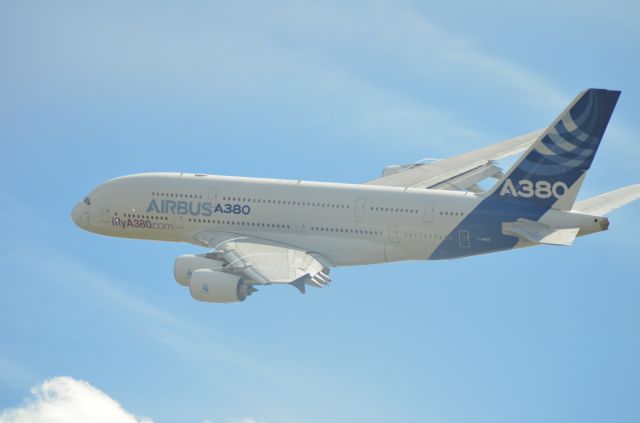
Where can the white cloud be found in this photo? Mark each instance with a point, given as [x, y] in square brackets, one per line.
[67, 400]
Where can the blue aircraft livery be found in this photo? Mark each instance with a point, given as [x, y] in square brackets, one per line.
[281, 231]
[562, 154]
[546, 172]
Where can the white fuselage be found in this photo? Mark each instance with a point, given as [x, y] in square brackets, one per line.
[347, 224]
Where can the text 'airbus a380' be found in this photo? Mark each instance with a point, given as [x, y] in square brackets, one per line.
[271, 231]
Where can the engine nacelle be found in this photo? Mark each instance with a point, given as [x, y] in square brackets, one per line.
[218, 287]
[189, 263]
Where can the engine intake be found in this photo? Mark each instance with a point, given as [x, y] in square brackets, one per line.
[189, 263]
[218, 287]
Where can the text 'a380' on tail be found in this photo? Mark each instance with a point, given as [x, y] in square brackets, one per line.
[551, 172]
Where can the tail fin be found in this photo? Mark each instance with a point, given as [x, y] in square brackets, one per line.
[603, 204]
[551, 172]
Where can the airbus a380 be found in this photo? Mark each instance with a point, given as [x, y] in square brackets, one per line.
[272, 231]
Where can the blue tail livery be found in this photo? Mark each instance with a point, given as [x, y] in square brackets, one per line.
[551, 172]
[292, 232]
[547, 177]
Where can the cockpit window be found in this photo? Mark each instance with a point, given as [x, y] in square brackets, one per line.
[87, 201]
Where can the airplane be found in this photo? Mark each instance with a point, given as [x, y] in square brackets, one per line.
[275, 231]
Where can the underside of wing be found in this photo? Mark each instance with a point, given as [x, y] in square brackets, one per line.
[270, 264]
[264, 262]
[461, 172]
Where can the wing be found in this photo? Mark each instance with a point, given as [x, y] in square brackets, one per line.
[263, 262]
[458, 172]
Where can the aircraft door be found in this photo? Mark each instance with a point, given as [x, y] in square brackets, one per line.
[301, 228]
[105, 214]
[463, 238]
[361, 204]
[88, 213]
[392, 250]
[213, 196]
[394, 234]
[429, 209]
[178, 221]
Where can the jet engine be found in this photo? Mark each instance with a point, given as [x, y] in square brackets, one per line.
[189, 263]
[218, 287]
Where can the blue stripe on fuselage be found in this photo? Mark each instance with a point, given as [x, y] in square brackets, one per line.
[547, 171]
[484, 225]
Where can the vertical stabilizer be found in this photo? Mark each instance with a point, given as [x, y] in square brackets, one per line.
[551, 172]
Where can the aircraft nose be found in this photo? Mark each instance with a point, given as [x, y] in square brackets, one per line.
[76, 214]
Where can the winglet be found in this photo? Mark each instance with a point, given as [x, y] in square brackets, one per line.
[299, 283]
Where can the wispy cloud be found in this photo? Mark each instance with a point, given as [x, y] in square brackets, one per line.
[15, 374]
[184, 338]
[312, 59]
[387, 72]
[67, 400]
[412, 45]
[187, 339]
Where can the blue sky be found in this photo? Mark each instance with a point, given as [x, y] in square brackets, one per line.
[332, 91]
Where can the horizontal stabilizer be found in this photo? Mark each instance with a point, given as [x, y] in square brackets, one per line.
[540, 233]
[602, 204]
